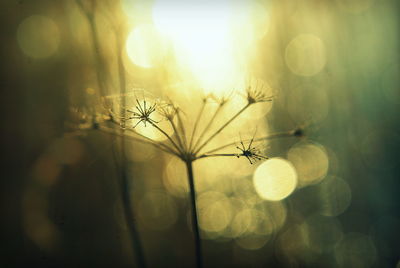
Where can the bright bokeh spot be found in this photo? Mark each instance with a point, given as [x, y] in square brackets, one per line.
[275, 179]
[311, 162]
[38, 36]
[305, 55]
[144, 46]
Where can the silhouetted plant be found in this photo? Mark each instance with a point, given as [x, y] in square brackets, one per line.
[121, 119]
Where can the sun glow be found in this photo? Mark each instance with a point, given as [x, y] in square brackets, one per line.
[210, 42]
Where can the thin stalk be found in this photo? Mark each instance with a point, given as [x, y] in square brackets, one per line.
[170, 150]
[168, 137]
[195, 222]
[178, 137]
[126, 197]
[215, 155]
[222, 127]
[98, 61]
[159, 146]
[130, 221]
[100, 74]
[182, 127]
[285, 134]
[208, 126]
[196, 124]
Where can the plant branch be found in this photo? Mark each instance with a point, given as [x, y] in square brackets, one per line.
[284, 134]
[207, 127]
[160, 146]
[125, 187]
[196, 124]
[100, 73]
[168, 137]
[195, 222]
[215, 155]
[182, 127]
[178, 137]
[128, 210]
[222, 127]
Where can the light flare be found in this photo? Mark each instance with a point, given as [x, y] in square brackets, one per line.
[211, 42]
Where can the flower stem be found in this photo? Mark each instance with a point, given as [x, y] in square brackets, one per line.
[182, 127]
[168, 137]
[196, 124]
[284, 134]
[207, 127]
[195, 222]
[130, 221]
[178, 136]
[222, 127]
[215, 155]
[126, 199]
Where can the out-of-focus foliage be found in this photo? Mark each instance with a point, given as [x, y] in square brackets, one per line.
[329, 200]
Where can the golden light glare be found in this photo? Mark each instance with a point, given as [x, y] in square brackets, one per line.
[38, 37]
[275, 179]
[144, 46]
[305, 55]
[211, 42]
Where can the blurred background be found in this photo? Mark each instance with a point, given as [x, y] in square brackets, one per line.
[330, 199]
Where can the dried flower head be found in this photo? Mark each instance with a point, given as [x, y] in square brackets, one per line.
[143, 113]
[168, 110]
[255, 95]
[258, 91]
[252, 154]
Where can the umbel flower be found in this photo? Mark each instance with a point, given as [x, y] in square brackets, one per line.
[127, 115]
[145, 112]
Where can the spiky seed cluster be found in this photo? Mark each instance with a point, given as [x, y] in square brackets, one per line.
[252, 154]
[143, 113]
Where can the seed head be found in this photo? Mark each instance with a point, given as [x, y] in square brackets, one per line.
[252, 154]
[168, 110]
[255, 95]
[143, 112]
